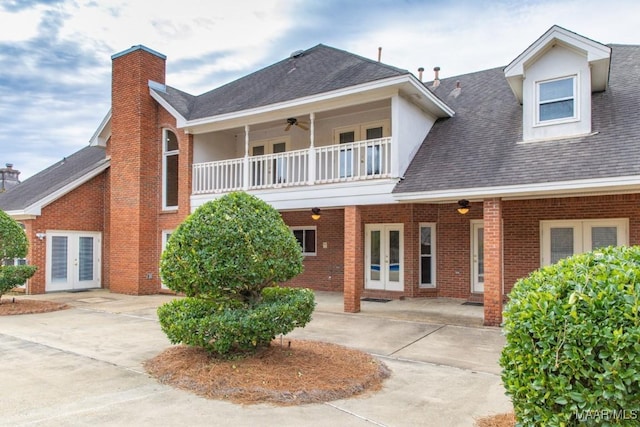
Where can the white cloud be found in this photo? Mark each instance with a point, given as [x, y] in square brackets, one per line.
[20, 25]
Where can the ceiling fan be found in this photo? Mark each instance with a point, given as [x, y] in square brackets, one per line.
[292, 121]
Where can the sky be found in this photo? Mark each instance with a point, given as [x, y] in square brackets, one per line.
[55, 55]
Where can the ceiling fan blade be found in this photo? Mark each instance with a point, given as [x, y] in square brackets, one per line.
[288, 127]
[303, 126]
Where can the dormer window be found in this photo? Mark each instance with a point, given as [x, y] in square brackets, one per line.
[556, 100]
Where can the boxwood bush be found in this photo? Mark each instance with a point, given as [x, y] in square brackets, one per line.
[231, 331]
[228, 258]
[13, 244]
[572, 354]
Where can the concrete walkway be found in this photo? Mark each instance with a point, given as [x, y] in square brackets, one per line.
[83, 366]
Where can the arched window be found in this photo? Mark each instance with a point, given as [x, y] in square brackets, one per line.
[169, 170]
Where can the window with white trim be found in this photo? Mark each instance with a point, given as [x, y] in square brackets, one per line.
[427, 255]
[556, 100]
[561, 239]
[306, 237]
[169, 170]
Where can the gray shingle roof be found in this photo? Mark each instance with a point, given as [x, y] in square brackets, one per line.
[478, 147]
[316, 70]
[52, 179]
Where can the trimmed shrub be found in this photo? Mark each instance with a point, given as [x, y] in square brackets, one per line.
[227, 258]
[13, 244]
[227, 331]
[231, 248]
[573, 341]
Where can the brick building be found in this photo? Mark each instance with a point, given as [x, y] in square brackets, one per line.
[454, 187]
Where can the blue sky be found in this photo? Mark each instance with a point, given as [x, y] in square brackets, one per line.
[55, 55]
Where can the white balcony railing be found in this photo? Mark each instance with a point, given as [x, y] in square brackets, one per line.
[355, 161]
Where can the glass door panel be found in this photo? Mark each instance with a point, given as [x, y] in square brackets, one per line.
[346, 155]
[59, 258]
[85, 259]
[373, 152]
[477, 267]
[280, 164]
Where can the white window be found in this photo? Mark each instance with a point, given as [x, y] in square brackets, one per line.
[306, 237]
[556, 100]
[169, 170]
[427, 255]
[561, 239]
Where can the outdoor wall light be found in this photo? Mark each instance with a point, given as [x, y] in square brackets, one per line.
[315, 213]
[463, 207]
[41, 236]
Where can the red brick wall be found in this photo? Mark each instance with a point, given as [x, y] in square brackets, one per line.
[82, 209]
[324, 271]
[135, 157]
[353, 249]
[522, 226]
[493, 242]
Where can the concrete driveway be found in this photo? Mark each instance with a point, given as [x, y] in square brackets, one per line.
[83, 366]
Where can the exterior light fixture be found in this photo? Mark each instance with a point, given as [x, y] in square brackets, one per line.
[41, 236]
[315, 213]
[463, 207]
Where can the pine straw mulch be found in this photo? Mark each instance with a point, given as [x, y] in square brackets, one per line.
[10, 306]
[286, 373]
[500, 420]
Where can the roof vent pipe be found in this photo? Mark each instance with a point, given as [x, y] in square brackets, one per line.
[420, 70]
[436, 79]
[379, 54]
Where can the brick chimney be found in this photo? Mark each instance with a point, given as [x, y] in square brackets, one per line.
[134, 148]
[8, 177]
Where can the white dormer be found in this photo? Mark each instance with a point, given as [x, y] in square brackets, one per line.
[553, 80]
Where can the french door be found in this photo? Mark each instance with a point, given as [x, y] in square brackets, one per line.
[73, 260]
[265, 171]
[384, 255]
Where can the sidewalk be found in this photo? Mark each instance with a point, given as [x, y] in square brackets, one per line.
[84, 366]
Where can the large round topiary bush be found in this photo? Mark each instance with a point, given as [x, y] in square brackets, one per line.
[13, 244]
[226, 258]
[572, 355]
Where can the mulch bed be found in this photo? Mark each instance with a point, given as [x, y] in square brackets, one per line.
[12, 306]
[289, 373]
[500, 420]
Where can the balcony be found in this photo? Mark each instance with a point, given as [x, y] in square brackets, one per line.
[355, 161]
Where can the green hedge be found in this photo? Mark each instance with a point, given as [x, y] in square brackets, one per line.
[572, 355]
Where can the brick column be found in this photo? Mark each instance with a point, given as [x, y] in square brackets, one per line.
[353, 259]
[493, 259]
[135, 186]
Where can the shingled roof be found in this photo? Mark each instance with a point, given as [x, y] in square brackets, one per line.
[481, 145]
[56, 177]
[314, 71]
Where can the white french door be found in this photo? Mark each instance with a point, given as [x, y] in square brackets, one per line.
[73, 260]
[477, 257]
[384, 254]
[272, 170]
